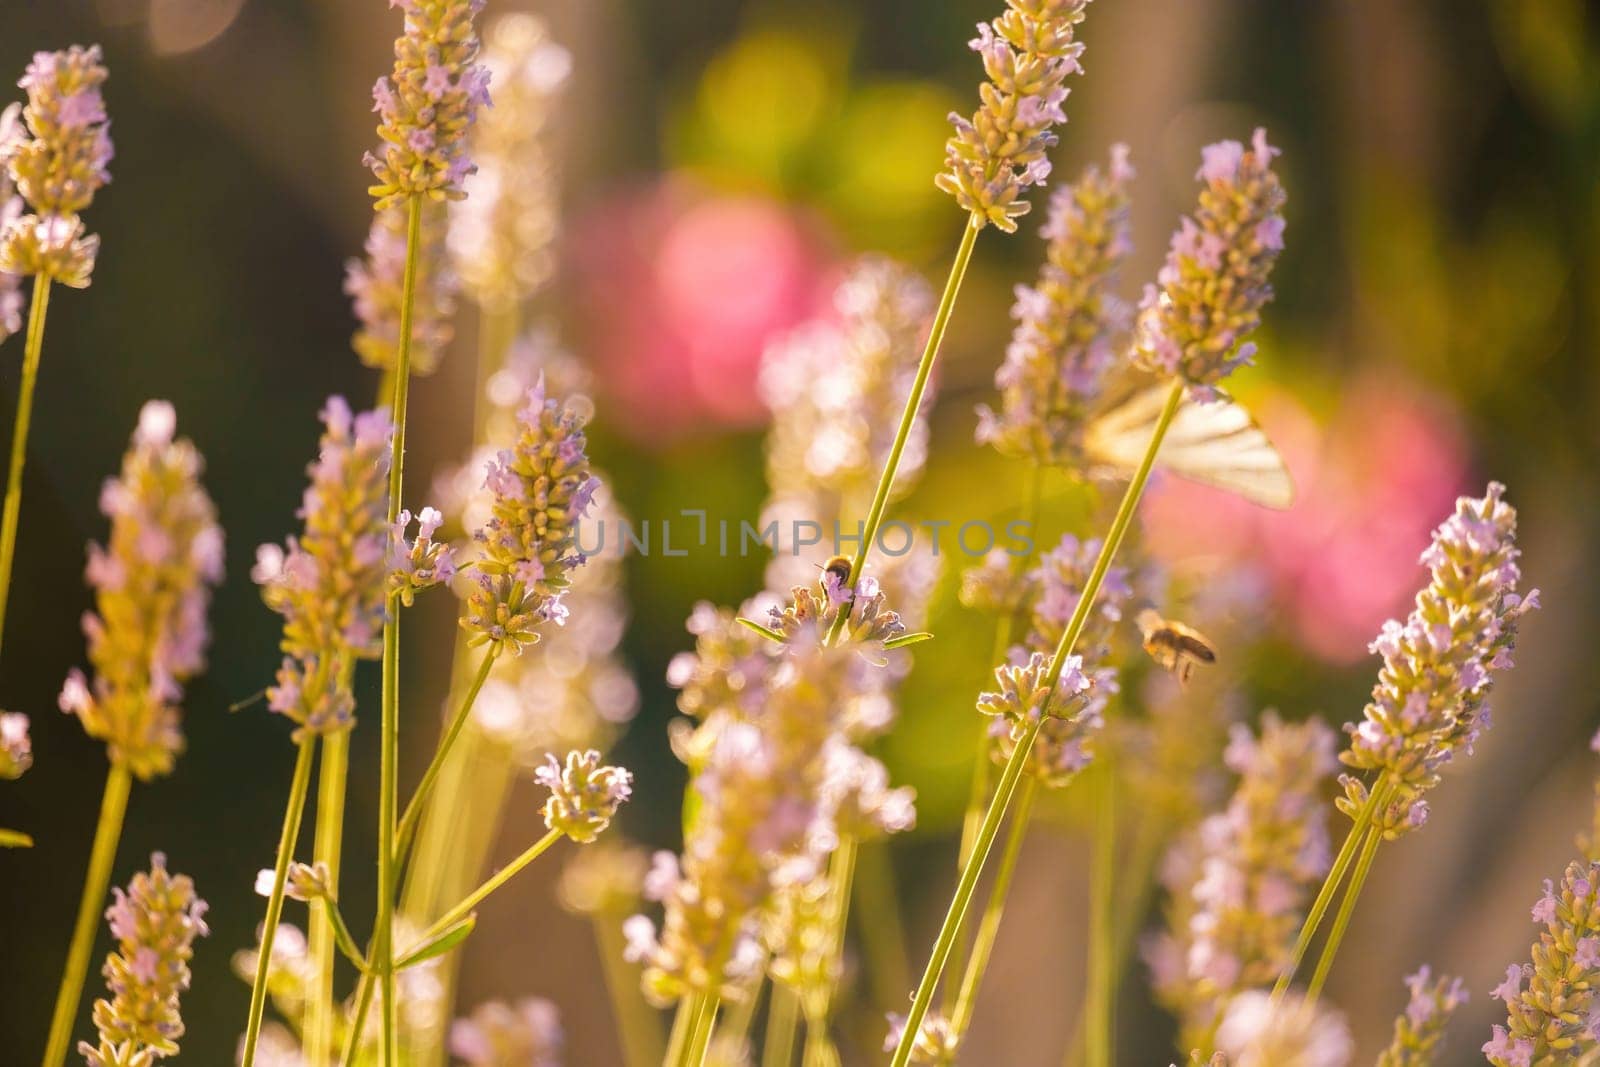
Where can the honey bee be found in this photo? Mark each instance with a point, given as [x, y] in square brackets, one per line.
[1174, 646]
[839, 566]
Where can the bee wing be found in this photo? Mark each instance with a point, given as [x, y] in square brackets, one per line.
[1217, 444]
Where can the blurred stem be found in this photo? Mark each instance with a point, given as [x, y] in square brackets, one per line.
[389, 759]
[819, 1050]
[298, 789]
[414, 808]
[1024, 745]
[358, 1021]
[1135, 888]
[497, 331]
[1347, 908]
[640, 1031]
[32, 348]
[1330, 885]
[883, 940]
[989, 926]
[327, 849]
[908, 417]
[783, 1017]
[500, 878]
[1101, 999]
[103, 854]
[683, 1021]
[694, 1052]
[15, 839]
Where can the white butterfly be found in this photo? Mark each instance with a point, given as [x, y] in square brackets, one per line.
[1217, 443]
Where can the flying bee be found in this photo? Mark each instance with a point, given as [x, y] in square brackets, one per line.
[1174, 646]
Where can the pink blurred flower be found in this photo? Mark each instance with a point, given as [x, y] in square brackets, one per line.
[681, 291]
[1370, 483]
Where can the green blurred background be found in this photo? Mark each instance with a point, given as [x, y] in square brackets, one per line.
[1435, 326]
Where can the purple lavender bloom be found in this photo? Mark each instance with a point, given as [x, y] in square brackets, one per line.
[152, 582]
[427, 105]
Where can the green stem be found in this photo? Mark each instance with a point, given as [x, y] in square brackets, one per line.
[908, 417]
[989, 925]
[683, 1021]
[694, 1051]
[1347, 908]
[33, 347]
[414, 808]
[504, 875]
[1019, 755]
[389, 758]
[358, 1020]
[1100, 1004]
[108, 831]
[782, 1019]
[1330, 885]
[636, 1023]
[298, 788]
[327, 848]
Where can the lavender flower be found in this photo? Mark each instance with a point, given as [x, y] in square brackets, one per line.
[1062, 747]
[11, 208]
[155, 923]
[1296, 1032]
[937, 1042]
[1003, 150]
[419, 563]
[837, 387]
[149, 634]
[329, 583]
[856, 791]
[501, 237]
[1430, 700]
[1556, 1019]
[1420, 1028]
[1240, 883]
[584, 796]
[756, 828]
[1216, 276]
[427, 105]
[1067, 322]
[376, 287]
[16, 750]
[542, 487]
[58, 168]
[497, 1034]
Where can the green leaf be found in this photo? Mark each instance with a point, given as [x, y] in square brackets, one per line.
[769, 634]
[439, 943]
[907, 639]
[15, 839]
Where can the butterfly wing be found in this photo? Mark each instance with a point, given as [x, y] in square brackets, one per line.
[1217, 444]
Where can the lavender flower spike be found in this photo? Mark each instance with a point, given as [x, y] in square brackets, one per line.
[1431, 698]
[148, 634]
[58, 168]
[542, 486]
[1420, 1028]
[584, 795]
[1556, 1019]
[16, 750]
[1215, 280]
[1067, 322]
[329, 583]
[502, 237]
[426, 106]
[376, 287]
[497, 1034]
[11, 209]
[999, 153]
[155, 923]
